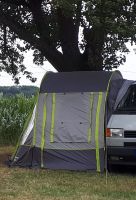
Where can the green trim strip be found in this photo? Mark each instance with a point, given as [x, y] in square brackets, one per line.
[106, 96]
[97, 130]
[105, 114]
[43, 130]
[90, 118]
[53, 117]
[108, 87]
[34, 135]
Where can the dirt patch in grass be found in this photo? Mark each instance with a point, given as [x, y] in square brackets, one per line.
[5, 155]
[4, 158]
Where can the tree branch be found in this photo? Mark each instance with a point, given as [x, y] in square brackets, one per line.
[78, 13]
[68, 34]
[5, 39]
[39, 20]
[52, 55]
[16, 2]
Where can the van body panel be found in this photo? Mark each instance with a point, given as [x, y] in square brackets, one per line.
[121, 143]
[125, 121]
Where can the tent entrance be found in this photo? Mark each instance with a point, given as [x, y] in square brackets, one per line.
[71, 118]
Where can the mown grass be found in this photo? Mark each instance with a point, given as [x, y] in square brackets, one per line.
[29, 184]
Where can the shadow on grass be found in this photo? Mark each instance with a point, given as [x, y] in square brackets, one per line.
[121, 169]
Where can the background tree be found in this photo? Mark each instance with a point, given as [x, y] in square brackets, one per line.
[10, 91]
[71, 34]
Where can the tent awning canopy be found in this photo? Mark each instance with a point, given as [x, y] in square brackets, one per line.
[83, 81]
[66, 129]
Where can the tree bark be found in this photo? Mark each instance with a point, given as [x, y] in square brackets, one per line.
[68, 33]
[94, 48]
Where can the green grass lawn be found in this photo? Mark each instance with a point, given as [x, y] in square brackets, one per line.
[28, 184]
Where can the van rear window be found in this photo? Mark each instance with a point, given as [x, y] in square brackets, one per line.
[128, 102]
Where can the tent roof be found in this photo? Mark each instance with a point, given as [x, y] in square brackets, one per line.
[84, 81]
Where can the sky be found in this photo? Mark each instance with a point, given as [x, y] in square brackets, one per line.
[37, 71]
[128, 70]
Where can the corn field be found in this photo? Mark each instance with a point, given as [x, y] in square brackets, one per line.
[13, 113]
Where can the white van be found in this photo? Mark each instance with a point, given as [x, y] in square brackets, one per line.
[121, 128]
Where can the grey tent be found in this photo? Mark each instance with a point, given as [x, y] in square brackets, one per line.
[66, 129]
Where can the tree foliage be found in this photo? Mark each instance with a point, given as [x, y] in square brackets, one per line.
[71, 34]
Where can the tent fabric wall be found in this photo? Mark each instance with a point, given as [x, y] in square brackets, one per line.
[126, 84]
[77, 81]
[114, 90]
[68, 123]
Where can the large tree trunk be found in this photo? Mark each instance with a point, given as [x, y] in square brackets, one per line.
[91, 59]
[94, 48]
